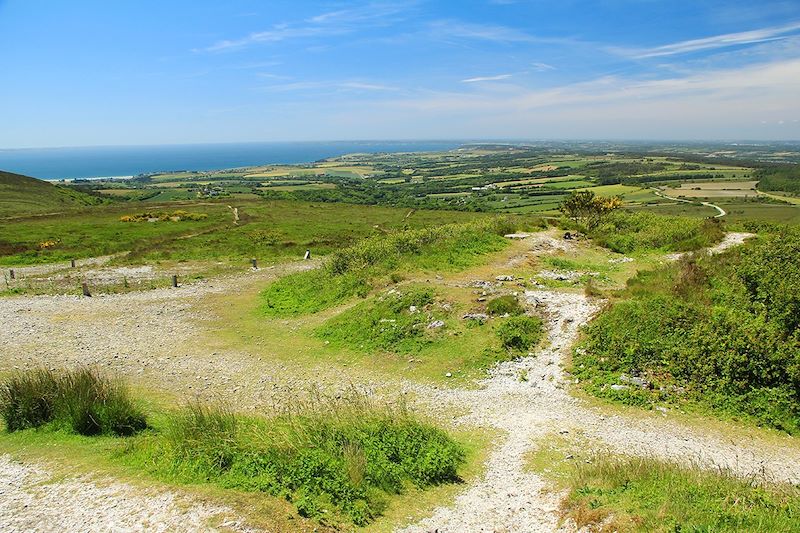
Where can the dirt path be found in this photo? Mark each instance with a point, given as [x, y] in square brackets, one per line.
[720, 212]
[528, 400]
[31, 500]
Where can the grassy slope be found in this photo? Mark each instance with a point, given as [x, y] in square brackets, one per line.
[22, 195]
[267, 231]
[613, 493]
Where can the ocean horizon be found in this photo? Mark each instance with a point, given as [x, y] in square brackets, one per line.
[121, 161]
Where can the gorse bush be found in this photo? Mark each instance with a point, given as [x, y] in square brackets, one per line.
[351, 271]
[504, 305]
[335, 457]
[631, 232]
[721, 331]
[520, 332]
[79, 400]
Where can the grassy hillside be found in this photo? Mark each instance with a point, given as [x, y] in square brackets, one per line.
[21, 195]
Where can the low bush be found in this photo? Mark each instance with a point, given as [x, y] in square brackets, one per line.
[331, 458]
[642, 494]
[520, 332]
[631, 232]
[721, 332]
[351, 271]
[79, 400]
[504, 305]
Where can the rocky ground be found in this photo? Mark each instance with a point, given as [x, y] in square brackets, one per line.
[152, 339]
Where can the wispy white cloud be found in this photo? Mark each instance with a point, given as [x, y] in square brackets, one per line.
[542, 67]
[486, 32]
[487, 78]
[710, 43]
[347, 85]
[331, 23]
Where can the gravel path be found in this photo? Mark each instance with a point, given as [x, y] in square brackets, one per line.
[528, 400]
[33, 501]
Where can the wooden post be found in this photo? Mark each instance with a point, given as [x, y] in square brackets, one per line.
[255, 263]
[11, 274]
[72, 263]
[85, 287]
[174, 281]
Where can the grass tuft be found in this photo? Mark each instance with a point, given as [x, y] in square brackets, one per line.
[80, 400]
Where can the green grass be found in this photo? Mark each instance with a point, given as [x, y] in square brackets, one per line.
[274, 230]
[395, 321]
[353, 270]
[636, 232]
[635, 494]
[606, 492]
[521, 333]
[81, 400]
[333, 459]
[507, 304]
[24, 196]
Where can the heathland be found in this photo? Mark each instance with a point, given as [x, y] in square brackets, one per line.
[502, 337]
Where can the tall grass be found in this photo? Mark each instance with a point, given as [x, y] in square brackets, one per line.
[612, 493]
[80, 400]
[351, 271]
[329, 457]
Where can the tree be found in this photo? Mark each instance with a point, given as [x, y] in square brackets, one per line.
[586, 207]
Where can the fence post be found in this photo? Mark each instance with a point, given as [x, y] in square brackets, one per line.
[255, 263]
[72, 263]
[11, 274]
[85, 288]
[174, 281]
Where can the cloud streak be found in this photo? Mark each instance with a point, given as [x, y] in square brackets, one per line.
[715, 42]
[487, 78]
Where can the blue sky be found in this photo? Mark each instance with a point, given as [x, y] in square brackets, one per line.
[171, 71]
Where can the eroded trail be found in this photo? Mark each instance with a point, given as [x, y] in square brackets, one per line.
[528, 400]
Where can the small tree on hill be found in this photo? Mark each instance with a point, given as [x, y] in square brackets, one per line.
[586, 207]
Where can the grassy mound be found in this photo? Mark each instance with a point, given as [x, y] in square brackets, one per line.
[395, 321]
[631, 232]
[352, 271]
[331, 459]
[633, 494]
[80, 400]
[721, 332]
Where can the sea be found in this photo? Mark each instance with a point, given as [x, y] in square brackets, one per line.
[126, 161]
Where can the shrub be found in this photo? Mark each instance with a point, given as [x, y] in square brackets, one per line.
[327, 457]
[504, 305]
[630, 232]
[520, 332]
[79, 400]
[722, 331]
